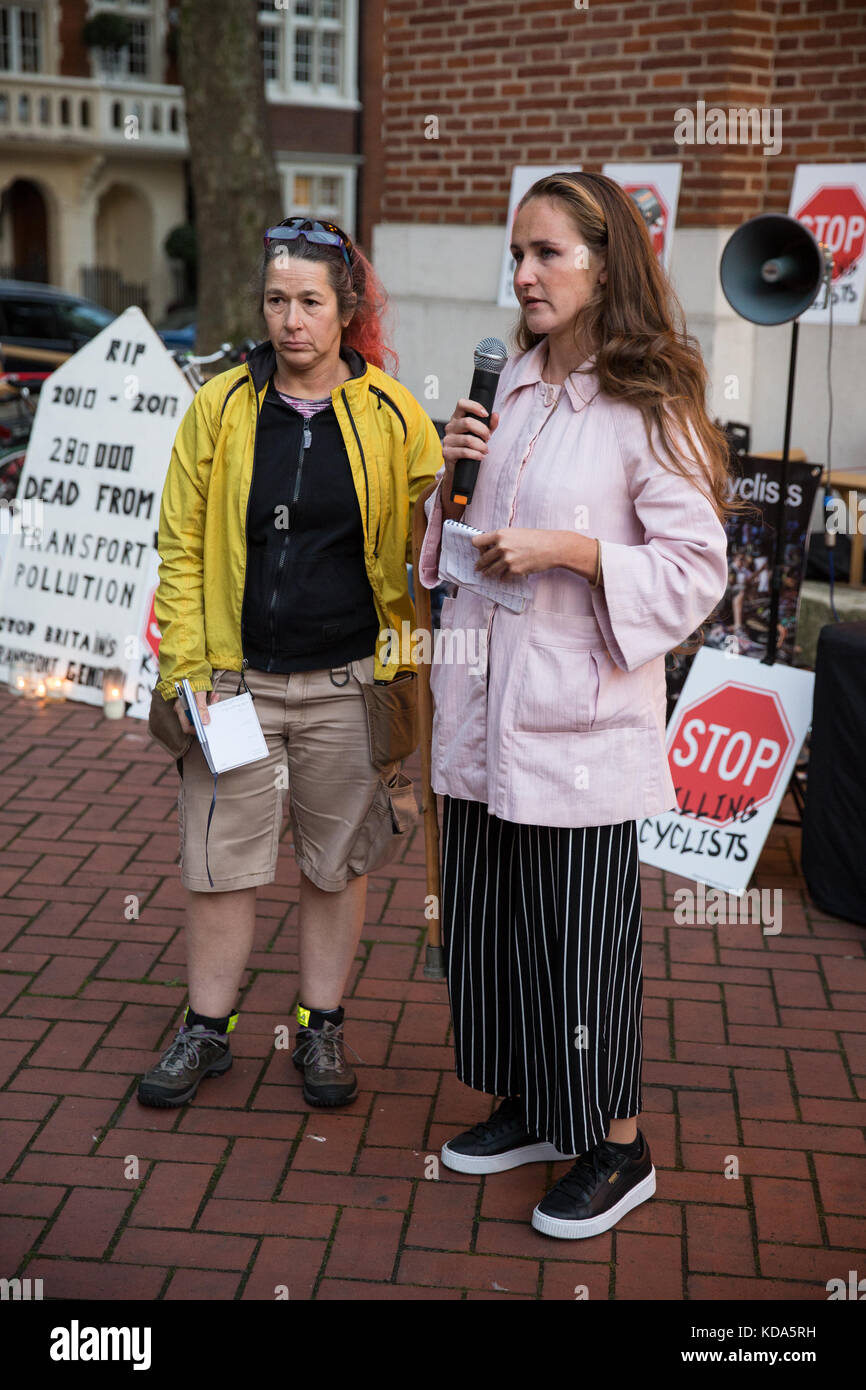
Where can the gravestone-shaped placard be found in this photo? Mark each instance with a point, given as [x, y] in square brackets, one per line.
[78, 566]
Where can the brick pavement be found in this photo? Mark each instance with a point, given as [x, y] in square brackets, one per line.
[755, 1051]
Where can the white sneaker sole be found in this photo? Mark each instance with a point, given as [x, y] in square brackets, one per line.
[580, 1230]
[500, 1163]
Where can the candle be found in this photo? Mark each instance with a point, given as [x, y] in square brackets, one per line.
[35, 687]
[56, 688]
[113, 704]
[20, 678]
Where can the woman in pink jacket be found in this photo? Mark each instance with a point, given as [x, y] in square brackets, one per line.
[603, 489]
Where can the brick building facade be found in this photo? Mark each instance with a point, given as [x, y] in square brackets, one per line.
[548, 82]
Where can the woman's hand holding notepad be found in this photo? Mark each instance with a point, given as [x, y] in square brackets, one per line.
[233, 735]
[458, 558]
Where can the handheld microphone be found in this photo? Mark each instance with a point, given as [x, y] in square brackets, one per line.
[490, 357]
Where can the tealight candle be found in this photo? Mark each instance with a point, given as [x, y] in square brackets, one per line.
[20, 678]
[55, 688]
[113, 703]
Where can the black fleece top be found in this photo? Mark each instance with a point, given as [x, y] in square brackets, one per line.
[308, 604]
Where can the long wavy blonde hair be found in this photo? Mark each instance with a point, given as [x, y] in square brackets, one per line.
[636, 325]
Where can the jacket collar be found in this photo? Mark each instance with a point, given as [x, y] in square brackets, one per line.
[262, 362]
[581, 385]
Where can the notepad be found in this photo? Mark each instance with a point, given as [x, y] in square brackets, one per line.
[458, 558]
[234, 735]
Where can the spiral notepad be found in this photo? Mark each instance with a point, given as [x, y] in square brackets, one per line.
[234, 735]
[457, 561]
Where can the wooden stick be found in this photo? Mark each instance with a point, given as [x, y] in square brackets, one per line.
[434, 966]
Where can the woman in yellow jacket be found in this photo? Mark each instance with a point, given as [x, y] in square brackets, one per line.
[284, 535]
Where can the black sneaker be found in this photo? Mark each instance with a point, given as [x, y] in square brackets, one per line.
[319, 1054]
[195, 1053]
[601, 1187]
[497, 1144]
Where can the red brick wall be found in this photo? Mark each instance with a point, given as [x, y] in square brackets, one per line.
[74, 54]
[538, 81]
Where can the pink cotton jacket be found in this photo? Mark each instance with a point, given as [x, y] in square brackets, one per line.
[563, 724]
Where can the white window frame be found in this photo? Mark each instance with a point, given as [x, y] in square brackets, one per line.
[151, 12]
[46, 18]
[321, 167]
[284, 89]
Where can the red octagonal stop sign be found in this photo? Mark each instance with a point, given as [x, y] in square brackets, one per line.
[657, 230]
[152, 634]
[837, 216]
[727, 751]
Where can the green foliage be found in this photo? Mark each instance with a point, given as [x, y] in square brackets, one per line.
[107, 31]
[181, 244]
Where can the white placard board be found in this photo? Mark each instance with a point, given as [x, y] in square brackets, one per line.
[75, 584]
[664, 181]
[523, 176]
[732, 742]
[830, 199]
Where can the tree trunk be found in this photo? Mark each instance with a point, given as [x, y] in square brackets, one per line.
[235, 183]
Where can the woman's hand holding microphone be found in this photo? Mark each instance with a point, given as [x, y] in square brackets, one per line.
[466, 436]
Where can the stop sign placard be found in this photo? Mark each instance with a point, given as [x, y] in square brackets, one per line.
[836, 215]
[727, 750]
[152, 634]
[659, 227]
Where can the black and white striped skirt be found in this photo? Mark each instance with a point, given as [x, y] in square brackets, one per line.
[541, 929]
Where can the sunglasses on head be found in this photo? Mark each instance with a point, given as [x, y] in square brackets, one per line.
[325, 233]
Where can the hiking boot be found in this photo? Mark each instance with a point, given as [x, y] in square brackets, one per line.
[193, 1054]
[328, 1078]
[497, 1144]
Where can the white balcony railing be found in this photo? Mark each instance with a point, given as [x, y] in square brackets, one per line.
[81, 111]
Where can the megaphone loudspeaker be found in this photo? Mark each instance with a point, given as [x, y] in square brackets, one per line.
[771, 269]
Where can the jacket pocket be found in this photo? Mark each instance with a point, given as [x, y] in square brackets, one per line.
[559, 689]
[625, 698]
[559, 693]
[446, 612]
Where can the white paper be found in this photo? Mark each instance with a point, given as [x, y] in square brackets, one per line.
[458, 558]
[234, 735]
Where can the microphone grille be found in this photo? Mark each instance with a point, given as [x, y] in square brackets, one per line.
[491, 355]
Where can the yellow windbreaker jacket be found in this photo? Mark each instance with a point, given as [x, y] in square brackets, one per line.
[394, 452]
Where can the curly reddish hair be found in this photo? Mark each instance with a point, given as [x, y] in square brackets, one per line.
[362, 294]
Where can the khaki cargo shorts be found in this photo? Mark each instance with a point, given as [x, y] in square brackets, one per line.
[347, 817]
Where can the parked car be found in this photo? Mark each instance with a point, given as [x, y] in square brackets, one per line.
[41, 325]
[177, 329]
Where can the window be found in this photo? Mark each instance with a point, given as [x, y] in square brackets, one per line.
[134, 60]
[31, 318]
[21, 38]
[84, 319]
[138, 49]
[308, 50]
[309, 192]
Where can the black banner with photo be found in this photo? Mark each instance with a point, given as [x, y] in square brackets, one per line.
[740, 621]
